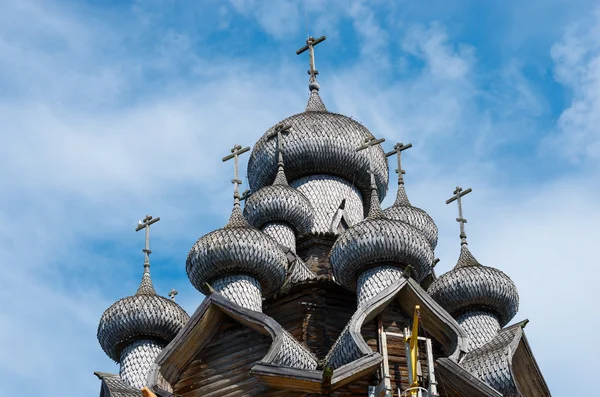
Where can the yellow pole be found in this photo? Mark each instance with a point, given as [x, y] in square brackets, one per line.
[414, 351]
[147, 393]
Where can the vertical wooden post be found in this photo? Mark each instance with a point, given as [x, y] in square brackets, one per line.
[431, 373]
[385, 387]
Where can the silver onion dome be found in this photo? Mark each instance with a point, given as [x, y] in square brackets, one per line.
[144, 315]
[322, 143]
[403, 211]
[238, 248]
[472, 286]
[379, 240]
[279, 202]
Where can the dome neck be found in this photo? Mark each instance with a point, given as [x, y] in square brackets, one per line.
[374, 206]
[315, 104]
[401, 196]
[237, 217]
[466, 258]
[146, 286]
[280, 178]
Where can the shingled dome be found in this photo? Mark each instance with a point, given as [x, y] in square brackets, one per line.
[238, 248]
[379, 240]
[143, 315]
[472, 286]
[403, 211]
[322, 143]
[279, 202]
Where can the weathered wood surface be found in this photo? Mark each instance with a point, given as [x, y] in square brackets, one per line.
[314, 316]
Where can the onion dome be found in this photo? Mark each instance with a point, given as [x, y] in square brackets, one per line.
[238, 248]
[322, 143]
[144, 315]
[403, 211]
[378, 240]
[279, 202]
[472, 286]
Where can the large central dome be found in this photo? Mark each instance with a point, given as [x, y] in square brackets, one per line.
[320, 142]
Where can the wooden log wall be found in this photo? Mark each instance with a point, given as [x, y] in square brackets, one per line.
[314, 316]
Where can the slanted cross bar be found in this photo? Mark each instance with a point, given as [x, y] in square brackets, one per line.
[278, 132]
[145, 224]
[368, 144]
[235, 153]
[458, 194]
[398, 149]
[310, 44]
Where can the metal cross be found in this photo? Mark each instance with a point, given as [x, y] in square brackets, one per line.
[278, 132]
[458, 194]
[145, 224]
[398, 149]
[172, 294]
[310, 44]
[235, 153]
[369, 143]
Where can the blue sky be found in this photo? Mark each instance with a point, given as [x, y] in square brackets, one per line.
[112, 110]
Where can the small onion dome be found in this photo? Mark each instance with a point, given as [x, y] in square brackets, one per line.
[238, 248]
[472, 286]
[279, 202]
[322, 143]
[403, 211]
[143, 315]
[379, 240]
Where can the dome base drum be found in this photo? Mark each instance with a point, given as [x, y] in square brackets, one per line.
[481, 326]
[282, 233]
[136, 360]
[241, 289]
[371, 282]
[327, 193]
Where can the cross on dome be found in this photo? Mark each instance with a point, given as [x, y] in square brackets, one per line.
[374, 208]
[458, 194]
[145, 224]
[368, 144]
[146, 286]
[235, 153]
[310, 44]
[278, 132]
[172, 294]
[398, 149]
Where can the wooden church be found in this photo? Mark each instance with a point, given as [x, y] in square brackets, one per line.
[312, 289]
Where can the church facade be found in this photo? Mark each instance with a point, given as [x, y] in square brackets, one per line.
[313, 289]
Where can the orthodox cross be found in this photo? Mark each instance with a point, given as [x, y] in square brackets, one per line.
[398, 149]
[235, 153]
[145, 224]
[172, 294]
[278, 132]
[458, 194]
[310, 44]
[369, 143]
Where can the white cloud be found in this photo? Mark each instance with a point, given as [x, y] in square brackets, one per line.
[577, 58]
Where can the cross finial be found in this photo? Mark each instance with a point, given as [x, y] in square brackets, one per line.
[368, 144]
[172, 294]
[375, 208]
[458, 194]
[278, 132]
[145, 224]
[310, 44]
[398, 149]
[235, 153]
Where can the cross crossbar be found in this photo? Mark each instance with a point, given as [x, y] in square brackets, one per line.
[145, 224]
[235, 153]
[398, 149]
[458, 194]
[310, 46]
